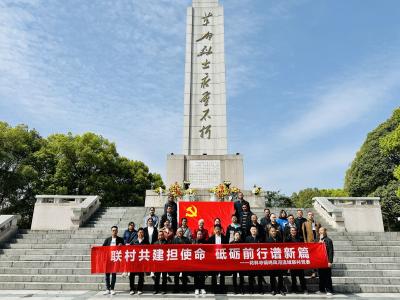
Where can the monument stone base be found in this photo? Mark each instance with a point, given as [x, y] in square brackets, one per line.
[205, 171]
[155, 200]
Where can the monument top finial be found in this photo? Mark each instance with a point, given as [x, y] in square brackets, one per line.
[205, 3]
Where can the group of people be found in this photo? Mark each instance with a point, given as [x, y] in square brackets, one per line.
[245, 228]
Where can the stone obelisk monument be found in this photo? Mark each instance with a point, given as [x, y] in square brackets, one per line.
[205, 161]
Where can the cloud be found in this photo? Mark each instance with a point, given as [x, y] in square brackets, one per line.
[345, 100]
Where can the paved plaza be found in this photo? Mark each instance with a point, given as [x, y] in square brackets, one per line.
[94, 295]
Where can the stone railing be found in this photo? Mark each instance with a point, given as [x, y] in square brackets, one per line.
[8, 226]
[352, 214]
[62, 212]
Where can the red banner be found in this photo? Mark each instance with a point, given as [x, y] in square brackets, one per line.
[203, 257]
[208, 211]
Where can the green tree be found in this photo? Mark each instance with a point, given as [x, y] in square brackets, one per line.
[86, 164]
[304, 197]
[371, 167]
[277, 199]
[18, 170]
[376, 167]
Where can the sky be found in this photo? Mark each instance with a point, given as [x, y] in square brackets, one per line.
[306, 80]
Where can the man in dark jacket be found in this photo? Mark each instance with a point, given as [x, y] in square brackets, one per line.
[238, 205]
[245, 220]
[251, 239]
[130, 234]
[275, 238]
[171, 202]
[169, 215]
[299, 224]
[217, 239]
[294, 238]
[150, 232]
[141, 240]
[113, 240]
[260, 229]
[180, 239]
[160, 241]
[267, 218]
[325, 275]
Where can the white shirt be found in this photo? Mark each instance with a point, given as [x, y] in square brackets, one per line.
[113, 242]
[218, 240]
[150, 230]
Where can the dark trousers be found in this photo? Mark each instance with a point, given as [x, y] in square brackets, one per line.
[325, 280]
[110, 286]
[273, 274]
[157, 282]
[184, 282]
[199, 281]
[235, 277]
[132, 281]
[298, 273]
[221, 287]
[252, 276]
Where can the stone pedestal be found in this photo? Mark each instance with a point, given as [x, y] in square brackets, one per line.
[205, 171]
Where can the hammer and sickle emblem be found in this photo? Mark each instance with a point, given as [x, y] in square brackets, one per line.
[191, 211]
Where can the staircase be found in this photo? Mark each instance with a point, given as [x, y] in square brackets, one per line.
[60, 260]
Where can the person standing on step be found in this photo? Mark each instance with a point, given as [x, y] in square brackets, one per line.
[299, 224]
[291, 224]
[199, 277]
[217, 239]
[139, 241]
[171, 202]
[150, 232]
[260, 230]
[254, 238]
[152, 214]
[180, 239]
[130, 234]
[245, 220]
[310, 230]
[113, 240]
[282, 220]
[160, 241]
[238, 205]
[325, 275]
[171, 217]
[232, 229]
[187, 233]
[237, 239]
[275, 238]
[267, 218]
[293, 237]
[167, 231]
[202, 229]
[273, 224]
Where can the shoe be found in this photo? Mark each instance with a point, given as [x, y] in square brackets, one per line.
[106, 292]
[313, 275]
[283, 293]
[196, 292]
[329, 294]
[131, 292]
[163, 292]
[318, 292]
[152, 275]
[305, 293]
[203, 292]
[112, 292]
[139, 292]
[155, 292]
[273, 293]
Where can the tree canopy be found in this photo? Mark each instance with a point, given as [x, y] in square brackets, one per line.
[375, 170]
[66, 164]
[304, 197]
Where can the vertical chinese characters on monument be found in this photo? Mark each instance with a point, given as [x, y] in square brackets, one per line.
[205, 61]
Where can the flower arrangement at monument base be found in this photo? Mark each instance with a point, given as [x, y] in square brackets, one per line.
[221, 191]
[159, 191]
[175, 190]
[189, 194]
[257, 190]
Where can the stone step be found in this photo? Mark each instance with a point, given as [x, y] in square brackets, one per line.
[360, 288]
[86, 271]
[45, 264]
[350, 266]
[45, 258]
[99, 278]
[46, 246]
